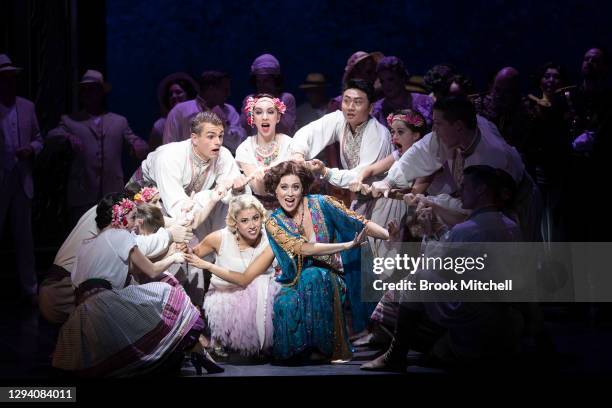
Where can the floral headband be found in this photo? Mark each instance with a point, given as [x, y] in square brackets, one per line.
[120, 212]
[410, 118]
[146, 195]
[250, 106]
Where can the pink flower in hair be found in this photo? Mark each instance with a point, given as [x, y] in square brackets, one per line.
[120, 213]
[390, 119]
[248, 109]
[410, 118]
[280, 106]
[146, 195]
[250, 103]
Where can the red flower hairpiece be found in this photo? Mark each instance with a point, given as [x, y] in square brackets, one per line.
[249, 106]
[120, 213]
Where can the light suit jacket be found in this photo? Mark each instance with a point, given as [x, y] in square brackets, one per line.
[29, 135]
[96, 170]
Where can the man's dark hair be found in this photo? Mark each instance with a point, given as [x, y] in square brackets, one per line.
[439, 79]
[212, 78]
[456, 108]
[541, 70]
[361, 85]
[602, 49]
[501, 184]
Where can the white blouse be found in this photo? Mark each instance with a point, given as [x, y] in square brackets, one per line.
[245, 153]
[105, 257]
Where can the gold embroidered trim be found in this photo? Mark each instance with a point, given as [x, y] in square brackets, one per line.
[339, 205]
[291, 245]
[341, 350]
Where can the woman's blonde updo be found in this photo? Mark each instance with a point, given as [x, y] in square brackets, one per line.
[239, 203]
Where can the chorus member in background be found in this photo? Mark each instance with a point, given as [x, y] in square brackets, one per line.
[266, 78]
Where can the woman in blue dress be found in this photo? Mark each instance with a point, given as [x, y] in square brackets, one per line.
[316, 241]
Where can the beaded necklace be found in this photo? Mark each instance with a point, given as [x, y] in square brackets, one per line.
[265, 155]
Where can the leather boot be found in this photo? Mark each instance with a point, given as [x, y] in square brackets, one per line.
[394, 359]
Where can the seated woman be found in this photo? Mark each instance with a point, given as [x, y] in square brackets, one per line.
[56, 293]
[306, 235]
[119, 331]
[149, 219]
[240, 319]
[265, 149]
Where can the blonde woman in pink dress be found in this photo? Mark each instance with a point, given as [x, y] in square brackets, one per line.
[240, 319]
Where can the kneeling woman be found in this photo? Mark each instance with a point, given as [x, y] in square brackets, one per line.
[119, 331]
[240, 319]
[309, 322]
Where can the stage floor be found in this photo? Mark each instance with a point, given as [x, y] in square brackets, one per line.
[27, 341]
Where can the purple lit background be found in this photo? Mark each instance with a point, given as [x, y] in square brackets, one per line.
[148, 39]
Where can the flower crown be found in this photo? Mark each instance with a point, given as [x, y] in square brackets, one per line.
[120, 212]
[250, 105]
[410, 118]
[146, 195]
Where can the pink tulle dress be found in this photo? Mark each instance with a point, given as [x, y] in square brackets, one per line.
[241, 319]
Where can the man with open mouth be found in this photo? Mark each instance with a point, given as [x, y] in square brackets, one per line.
[196, 178]
[363, 141]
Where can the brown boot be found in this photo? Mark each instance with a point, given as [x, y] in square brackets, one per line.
[395, 357]
[394, 360]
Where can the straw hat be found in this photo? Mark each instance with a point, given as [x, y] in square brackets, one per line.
[356, 58]
[7, 65]
[95, 77]
[314, 80]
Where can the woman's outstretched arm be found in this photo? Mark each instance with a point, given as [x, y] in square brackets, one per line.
[374, 230]
[256, 268]
[209, 244]
[153, 270]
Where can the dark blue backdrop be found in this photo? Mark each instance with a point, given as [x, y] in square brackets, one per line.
[147, 39]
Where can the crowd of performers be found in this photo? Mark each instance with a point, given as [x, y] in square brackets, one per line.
[219, 245]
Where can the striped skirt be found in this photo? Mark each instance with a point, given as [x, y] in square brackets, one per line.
[127, 332]
[387, 310]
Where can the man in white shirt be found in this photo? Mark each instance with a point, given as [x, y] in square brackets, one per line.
[460, 138]
[187, 172]
[362, 140]
[198, 175]
[455, 332]
[20, 142]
